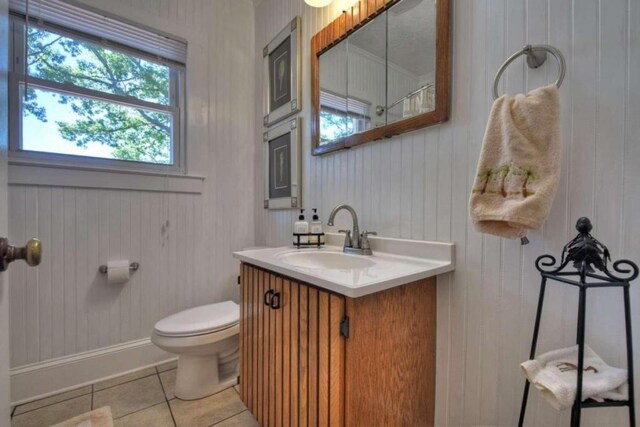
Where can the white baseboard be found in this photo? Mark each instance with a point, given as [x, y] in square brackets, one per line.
[39, 380]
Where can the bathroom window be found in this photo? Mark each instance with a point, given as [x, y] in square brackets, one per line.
[82, 100]
[341, 116]
[335, 124]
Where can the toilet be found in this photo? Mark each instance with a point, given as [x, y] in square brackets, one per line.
[205, 338]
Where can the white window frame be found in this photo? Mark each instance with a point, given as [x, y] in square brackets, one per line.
[17, 78]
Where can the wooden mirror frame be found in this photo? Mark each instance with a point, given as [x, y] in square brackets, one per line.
[348, 22]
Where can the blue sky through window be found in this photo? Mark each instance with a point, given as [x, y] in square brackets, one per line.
[45, 136]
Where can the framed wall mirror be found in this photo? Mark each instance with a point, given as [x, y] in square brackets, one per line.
[380, 69]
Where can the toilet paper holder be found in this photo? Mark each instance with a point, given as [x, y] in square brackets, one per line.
[132, 267]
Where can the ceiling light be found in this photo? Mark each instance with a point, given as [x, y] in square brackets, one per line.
[318, 3]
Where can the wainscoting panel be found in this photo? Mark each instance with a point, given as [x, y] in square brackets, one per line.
[43, 379]
[65, 306]
[417, 186]
[183, 241]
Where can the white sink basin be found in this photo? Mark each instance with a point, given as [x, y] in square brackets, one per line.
[394, 262]
[326, 260]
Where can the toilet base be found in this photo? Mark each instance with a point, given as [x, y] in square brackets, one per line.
[197, 377]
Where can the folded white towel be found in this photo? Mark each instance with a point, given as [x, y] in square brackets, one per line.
[555, 375]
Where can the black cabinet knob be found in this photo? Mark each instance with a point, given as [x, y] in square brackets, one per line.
[275, 301]
[268, 296]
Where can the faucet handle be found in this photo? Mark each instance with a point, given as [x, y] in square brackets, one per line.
[365, 239]
[347, 238]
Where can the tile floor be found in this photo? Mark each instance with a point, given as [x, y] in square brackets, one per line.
[141, 399]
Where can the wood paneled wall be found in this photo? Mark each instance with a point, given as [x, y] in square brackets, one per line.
[182, 241]
[417, 186]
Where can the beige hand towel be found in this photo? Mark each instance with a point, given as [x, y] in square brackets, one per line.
[519, 166]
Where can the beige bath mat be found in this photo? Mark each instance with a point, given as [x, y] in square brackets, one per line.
[99, 418]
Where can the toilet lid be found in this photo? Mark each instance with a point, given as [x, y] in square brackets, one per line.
[200, 320]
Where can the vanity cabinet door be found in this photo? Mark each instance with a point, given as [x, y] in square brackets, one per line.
[292, 353]
[260, 344]
[254, 340]
[312, 357]
[243, 332]
[247, 324]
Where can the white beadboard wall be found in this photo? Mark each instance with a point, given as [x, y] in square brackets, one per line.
[182, 241]
[417, 186]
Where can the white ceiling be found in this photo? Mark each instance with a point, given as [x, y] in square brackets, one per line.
[411, 36]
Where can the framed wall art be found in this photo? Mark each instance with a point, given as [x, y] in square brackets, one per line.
[282, 166]
[282, 80]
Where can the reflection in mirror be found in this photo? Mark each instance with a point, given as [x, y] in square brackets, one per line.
[411, 38]
[334, 118]
[380, 69]
[367, 51]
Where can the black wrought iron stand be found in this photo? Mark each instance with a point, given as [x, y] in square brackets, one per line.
[586, 253]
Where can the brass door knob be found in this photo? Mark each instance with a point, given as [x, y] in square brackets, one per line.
[31, 253]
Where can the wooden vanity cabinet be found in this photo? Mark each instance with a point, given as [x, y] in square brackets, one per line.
[310, 357]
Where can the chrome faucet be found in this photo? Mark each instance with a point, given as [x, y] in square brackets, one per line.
[354, 241]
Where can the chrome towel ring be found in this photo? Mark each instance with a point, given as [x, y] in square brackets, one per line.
[536, 56]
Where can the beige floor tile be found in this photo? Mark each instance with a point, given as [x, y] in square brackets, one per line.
[167, 366]
[53, 414]
[244, 419]
[237, 388]
[168, 379]
[130, 397]
[207, 411]
[156, 416]
[21, 409]
[124, 378]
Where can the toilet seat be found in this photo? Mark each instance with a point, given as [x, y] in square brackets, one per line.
[205, 319]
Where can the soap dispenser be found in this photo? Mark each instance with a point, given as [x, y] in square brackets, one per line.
[316, 228]
[301, 227]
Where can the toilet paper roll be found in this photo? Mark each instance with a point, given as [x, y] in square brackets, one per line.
[117, 272]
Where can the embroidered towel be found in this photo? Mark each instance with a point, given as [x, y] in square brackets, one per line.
[519, 166]
[555, 375]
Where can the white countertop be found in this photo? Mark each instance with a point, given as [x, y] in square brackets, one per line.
[394, 262]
